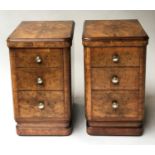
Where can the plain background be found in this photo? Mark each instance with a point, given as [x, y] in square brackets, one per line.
[9, 20]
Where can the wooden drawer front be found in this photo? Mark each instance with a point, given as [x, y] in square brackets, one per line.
[32, 58]
[102, 104]
[102, 78]
[28, 104]
[27, 78]
[115, 56]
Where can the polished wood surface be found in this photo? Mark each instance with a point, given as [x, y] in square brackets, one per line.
[49, 57]
[50, 43]
[42, 34]
[127, 105]
[128, 56]
[102, 78]
[116, 29]
[114, 108]
[115, 131]
[27, 78]
[43, 30]
[28, 104]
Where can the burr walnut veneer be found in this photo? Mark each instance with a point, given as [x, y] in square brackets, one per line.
[40, 67]
[114, 54]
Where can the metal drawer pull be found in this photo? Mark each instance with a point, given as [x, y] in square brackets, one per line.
[41, 105]
[115, 105]
[38, 59]
[39, 81]
[115, 79]
[115, 58]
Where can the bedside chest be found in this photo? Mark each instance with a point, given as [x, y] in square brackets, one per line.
[114, 54]
[41, 77]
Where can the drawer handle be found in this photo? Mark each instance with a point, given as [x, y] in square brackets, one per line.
[38, 59]
[115, 80]
[39, 81]
[115, 105]
[115, 58]
[41, 105]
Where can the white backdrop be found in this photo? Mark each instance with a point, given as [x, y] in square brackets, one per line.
[79, 139]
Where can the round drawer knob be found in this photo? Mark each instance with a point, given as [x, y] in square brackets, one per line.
[115, 58]
[39, 81]
[115, 79]
[41, 105]
[115, 105]
[38, 59]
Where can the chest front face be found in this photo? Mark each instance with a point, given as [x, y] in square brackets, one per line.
[36, 78]
[40, 68]
[115, 74]
[114, 78]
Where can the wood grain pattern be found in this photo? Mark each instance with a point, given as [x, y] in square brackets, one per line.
[28, 104]
[127, 105]
[141, 109]
[49, 57]
[115, 123]
[115, 43]
[107, 29]
[43, 30]
[43, 131]
[128, 40]
[115, 131]
[27, 78]
[87, 62]
[128, 78]
[13, 77]
[128, 56]
[42, 34]
[67, 84]
[50, 41]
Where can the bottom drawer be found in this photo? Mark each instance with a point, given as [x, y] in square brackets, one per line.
[115, 105]
[40, 104]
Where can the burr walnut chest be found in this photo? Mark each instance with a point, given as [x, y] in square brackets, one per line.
[40, 68]
[114, 54]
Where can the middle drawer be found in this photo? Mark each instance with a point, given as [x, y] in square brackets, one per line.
[39, 79]
[115, 78]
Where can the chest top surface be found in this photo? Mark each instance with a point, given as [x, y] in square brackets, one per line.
[113, 29]
[44, 30]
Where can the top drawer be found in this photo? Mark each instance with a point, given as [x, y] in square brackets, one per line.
[115, 56]
[38, 58]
